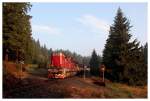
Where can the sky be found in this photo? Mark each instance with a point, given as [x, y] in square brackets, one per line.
[82, 27]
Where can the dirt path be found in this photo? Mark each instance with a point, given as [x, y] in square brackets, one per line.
[35, 84]
[74, 87]
[40, 87]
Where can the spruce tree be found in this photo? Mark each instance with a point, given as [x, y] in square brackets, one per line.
[122, 57]
[116, 46]
[94, 64]
[16, 30]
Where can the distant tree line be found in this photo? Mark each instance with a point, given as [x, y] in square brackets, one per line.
[125, 60]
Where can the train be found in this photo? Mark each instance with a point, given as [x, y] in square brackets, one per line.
[62, 66]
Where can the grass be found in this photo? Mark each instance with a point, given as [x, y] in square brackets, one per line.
[32, 66]
[117, 90]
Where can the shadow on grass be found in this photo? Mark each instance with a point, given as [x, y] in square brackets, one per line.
[99, 83]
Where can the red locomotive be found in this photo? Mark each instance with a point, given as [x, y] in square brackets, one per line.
[62, 66]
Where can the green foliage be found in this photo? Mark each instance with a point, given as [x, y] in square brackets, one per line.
[16, 30]
[94, 63]
[17, 41]
[145, 52]
[122, 57]
[40, 54]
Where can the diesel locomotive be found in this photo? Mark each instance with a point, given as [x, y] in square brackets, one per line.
[62, 66]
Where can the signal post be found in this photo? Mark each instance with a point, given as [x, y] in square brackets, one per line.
[102, 69]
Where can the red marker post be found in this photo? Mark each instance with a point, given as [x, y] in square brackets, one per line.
[102, 68]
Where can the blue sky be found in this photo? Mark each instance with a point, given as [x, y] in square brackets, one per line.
[82, 27]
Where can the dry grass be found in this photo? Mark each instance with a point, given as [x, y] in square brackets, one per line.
[137, 92]
[14, 69]
[125, 91]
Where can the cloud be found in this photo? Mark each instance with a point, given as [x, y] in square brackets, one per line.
[46, 29]
[94, 24]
